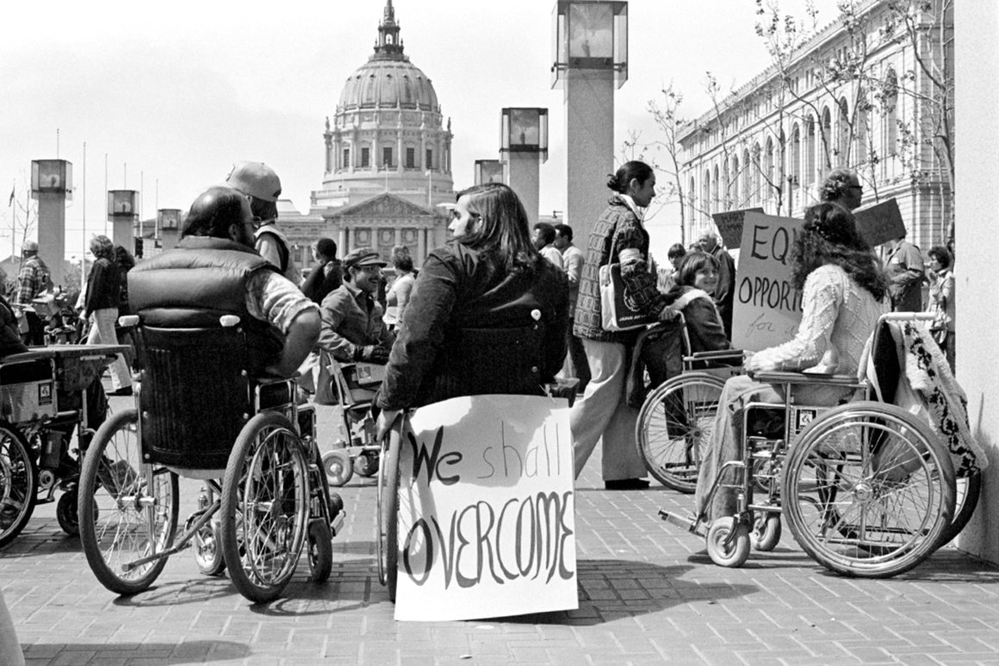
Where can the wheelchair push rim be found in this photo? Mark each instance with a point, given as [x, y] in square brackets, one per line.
[388, 509]
[127, 509]
[868, 490]
[18, 483]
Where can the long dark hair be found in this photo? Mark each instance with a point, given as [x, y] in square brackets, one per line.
[505, 229]
[619, 181]
[829, 236]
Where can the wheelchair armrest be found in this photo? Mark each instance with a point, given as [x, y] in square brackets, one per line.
[718, 353]
[806, 378]
[128, 321]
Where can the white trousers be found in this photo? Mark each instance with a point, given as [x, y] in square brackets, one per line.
[102, 333]
[603, 413]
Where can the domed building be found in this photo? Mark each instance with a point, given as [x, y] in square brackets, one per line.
[387, 160]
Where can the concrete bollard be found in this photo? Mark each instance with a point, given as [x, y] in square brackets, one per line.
[10, 649]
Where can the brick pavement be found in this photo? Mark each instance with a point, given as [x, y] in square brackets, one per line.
[648, 595]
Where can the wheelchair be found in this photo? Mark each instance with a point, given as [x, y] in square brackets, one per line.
[204, 417]
[353, 450]
[676, 418]
[42, 400]
[867, 488]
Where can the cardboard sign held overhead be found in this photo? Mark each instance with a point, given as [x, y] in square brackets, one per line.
[486, 510]
[880, 223]
[730, 225]
[767, 307]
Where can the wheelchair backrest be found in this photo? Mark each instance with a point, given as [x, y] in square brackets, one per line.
[196, 394]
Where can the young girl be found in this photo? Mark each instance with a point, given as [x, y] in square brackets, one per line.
[697, 278]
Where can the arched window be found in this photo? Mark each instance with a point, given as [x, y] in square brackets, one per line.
[768, 168]
[734, 193]
[715, 194]
[809, 169]
[691, 189]
[757, 170]
[843, 140]
[890, 101]
[826, 140]
[747, 178]
[794, 167]
[706, 193]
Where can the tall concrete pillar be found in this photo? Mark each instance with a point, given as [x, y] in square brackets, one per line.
[976, 104]
[524, 177]
[122, 209]
[51, 185]
[589, 110]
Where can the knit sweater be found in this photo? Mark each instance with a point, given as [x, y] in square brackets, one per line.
[837, 318]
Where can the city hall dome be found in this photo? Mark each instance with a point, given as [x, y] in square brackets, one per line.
[388, 79]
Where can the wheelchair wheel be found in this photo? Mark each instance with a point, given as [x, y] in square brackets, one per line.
[728, 542]
[320, 550]
[366, 463]
[208, 549]
[338, 467]
[265, 507]
[766, 531]
[18, 483]
[388, 510]
[68, 513]
[674, 426]
[967, 491]
[128, 510]
[868, 490]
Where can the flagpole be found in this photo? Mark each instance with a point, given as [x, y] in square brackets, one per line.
[105, 194]
[83, 257]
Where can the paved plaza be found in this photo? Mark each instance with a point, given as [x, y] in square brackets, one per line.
[648, 594]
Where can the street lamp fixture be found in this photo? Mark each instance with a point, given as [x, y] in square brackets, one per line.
[488, 171]
[590, 35]
[121, 205]
[51, 177]
[525, 130]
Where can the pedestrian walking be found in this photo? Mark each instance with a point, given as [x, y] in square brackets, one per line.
[101, 309]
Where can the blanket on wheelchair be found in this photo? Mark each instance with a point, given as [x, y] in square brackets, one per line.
[909, 370]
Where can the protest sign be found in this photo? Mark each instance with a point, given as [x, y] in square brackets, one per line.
[767, 307]
[880, 222]
[730, 225]
[486, 510]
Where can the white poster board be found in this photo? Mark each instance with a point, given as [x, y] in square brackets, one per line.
[767, 307]
[486, 510]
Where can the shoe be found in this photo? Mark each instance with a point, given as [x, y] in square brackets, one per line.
[626, 484]
[125, 390]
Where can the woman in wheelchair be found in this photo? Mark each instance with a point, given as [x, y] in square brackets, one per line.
[844, 291]
[697, 278]
[488, 313]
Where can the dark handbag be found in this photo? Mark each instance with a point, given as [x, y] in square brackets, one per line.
[617, 311]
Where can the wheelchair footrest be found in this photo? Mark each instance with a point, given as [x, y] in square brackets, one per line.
[692, 525]
[337, 523]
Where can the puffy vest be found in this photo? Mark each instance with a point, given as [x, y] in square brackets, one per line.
[201, 280]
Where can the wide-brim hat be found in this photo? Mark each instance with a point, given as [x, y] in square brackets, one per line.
[256, 179]
[363, 256]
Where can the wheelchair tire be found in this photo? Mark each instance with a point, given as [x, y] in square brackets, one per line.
[766, 531]
[728, 542]
[320, 550]
[967, 491]
[207, 544]
[388, 510]
[265, 507]
[68, 512]
[18, 483]
[366, 463]
[338, 467]
[674, 425]
[868, 490]
[114, 481]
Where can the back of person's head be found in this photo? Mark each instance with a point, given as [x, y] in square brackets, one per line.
[941, 254]
[836, 183]
[564, 230]
[102, 247]
[261, 184]
[401, 259]
[123, 257]
[691, 263]
[675, 250]
[633, 170]
[326, 248]
[546, 233]
[213, 212]
[29, 249]
[829, 236]
[504, 229]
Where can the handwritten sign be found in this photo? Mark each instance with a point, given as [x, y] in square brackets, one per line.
[486, 510]
[730, 225]
[767, 307]
[880, 223]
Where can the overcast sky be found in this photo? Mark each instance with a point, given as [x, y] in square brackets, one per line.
[170, 94]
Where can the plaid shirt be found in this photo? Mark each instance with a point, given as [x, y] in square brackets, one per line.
[33, 279]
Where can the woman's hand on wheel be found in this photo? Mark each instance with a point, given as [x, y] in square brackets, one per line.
[386, 419]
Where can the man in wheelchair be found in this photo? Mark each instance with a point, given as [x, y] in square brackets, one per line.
[216, 271]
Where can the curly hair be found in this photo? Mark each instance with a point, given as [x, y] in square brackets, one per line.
[102, 247]
[829, 236]
[941, 254]
[836, 184]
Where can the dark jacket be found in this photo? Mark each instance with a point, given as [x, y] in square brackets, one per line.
[472, 328]
[103, 287]
[319, 283]
[194, 284]
[704, 325]
[10, 334]
[618, 228]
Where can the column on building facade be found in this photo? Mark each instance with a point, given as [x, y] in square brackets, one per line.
[398, 236]
[421, 245]
[342, 241]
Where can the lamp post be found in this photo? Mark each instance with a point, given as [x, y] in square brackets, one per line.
[523, 146]
[121, 215]
[488, 171]
[591, 60]
[168, 222]
[52, 185]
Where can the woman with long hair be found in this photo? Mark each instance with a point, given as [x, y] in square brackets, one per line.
[941, 301]
[487, 314]
[101, 308]
[603, 411]
[844, 291]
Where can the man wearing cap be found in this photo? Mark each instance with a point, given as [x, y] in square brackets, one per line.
[353, 329]
[33, 279]
[215, 271]
[259, 182]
